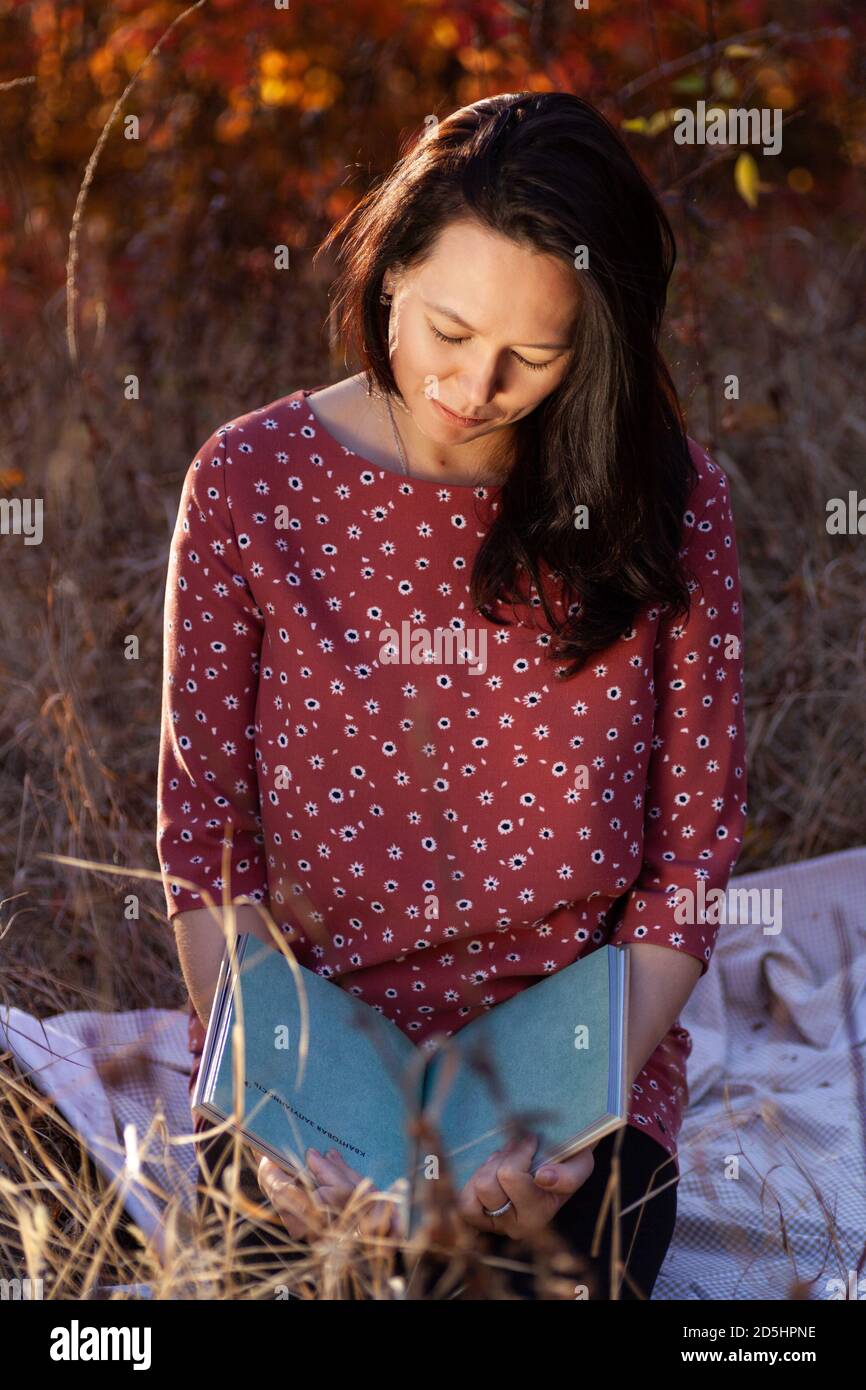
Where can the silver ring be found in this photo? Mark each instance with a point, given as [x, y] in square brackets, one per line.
[498, 1211]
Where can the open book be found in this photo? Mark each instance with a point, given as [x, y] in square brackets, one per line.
[552, 1056]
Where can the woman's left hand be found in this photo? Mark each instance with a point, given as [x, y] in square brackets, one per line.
[505, 1174]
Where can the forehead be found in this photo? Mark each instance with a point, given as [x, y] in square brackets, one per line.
[495, 283]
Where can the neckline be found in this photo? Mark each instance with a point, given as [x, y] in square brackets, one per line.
[488, 489]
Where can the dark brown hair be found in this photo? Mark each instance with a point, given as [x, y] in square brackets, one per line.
[549, 171]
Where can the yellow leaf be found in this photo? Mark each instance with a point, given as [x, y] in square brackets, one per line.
[746, 179]
[659, 120]
[742, 50]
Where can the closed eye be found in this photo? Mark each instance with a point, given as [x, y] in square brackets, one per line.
[533, 366]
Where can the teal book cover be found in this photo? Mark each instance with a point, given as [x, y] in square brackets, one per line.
[323, 1069]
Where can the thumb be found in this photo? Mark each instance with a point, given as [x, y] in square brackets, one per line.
[568, 1176]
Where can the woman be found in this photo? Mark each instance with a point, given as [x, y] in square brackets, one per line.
[509, 471]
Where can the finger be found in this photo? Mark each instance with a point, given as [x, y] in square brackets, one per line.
[467, 1198]
[329, 1174]
[566, 1177]
[510, 1178]
[338, 1200]
[295, 1208]
[336, 1180]
[286, 1167]
[293, 1211]
[274, 1182]
[483, 1190]
[338, 1161]
[334, 1156]
[271, 1176]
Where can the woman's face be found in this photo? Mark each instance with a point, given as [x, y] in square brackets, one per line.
[482, 328]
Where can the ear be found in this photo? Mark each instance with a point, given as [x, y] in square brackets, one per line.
[389, 279]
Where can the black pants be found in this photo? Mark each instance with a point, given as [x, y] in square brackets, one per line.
[645, 1172]
[260, 1249]
[645, 1232]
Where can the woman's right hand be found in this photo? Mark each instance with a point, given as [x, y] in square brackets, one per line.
[307, 1205]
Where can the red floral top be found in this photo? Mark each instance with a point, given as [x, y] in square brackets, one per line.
[421, 828]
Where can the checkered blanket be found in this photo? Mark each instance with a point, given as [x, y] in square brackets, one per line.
[773, 1144]
[121, 1080]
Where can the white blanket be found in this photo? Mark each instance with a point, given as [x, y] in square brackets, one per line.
[779, 1030]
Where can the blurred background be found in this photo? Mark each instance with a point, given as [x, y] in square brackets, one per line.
[154, 157]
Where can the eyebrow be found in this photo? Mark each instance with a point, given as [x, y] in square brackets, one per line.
[450, 314]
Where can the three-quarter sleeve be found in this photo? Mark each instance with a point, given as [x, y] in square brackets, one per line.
[695, 803]
[212, 638]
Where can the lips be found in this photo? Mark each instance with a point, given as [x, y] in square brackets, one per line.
[464, 419]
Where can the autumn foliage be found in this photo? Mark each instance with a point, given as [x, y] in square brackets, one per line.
[256, 124]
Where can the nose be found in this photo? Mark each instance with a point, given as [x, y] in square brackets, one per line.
[478, 385]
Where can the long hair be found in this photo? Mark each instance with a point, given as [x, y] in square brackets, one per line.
[549, 171]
